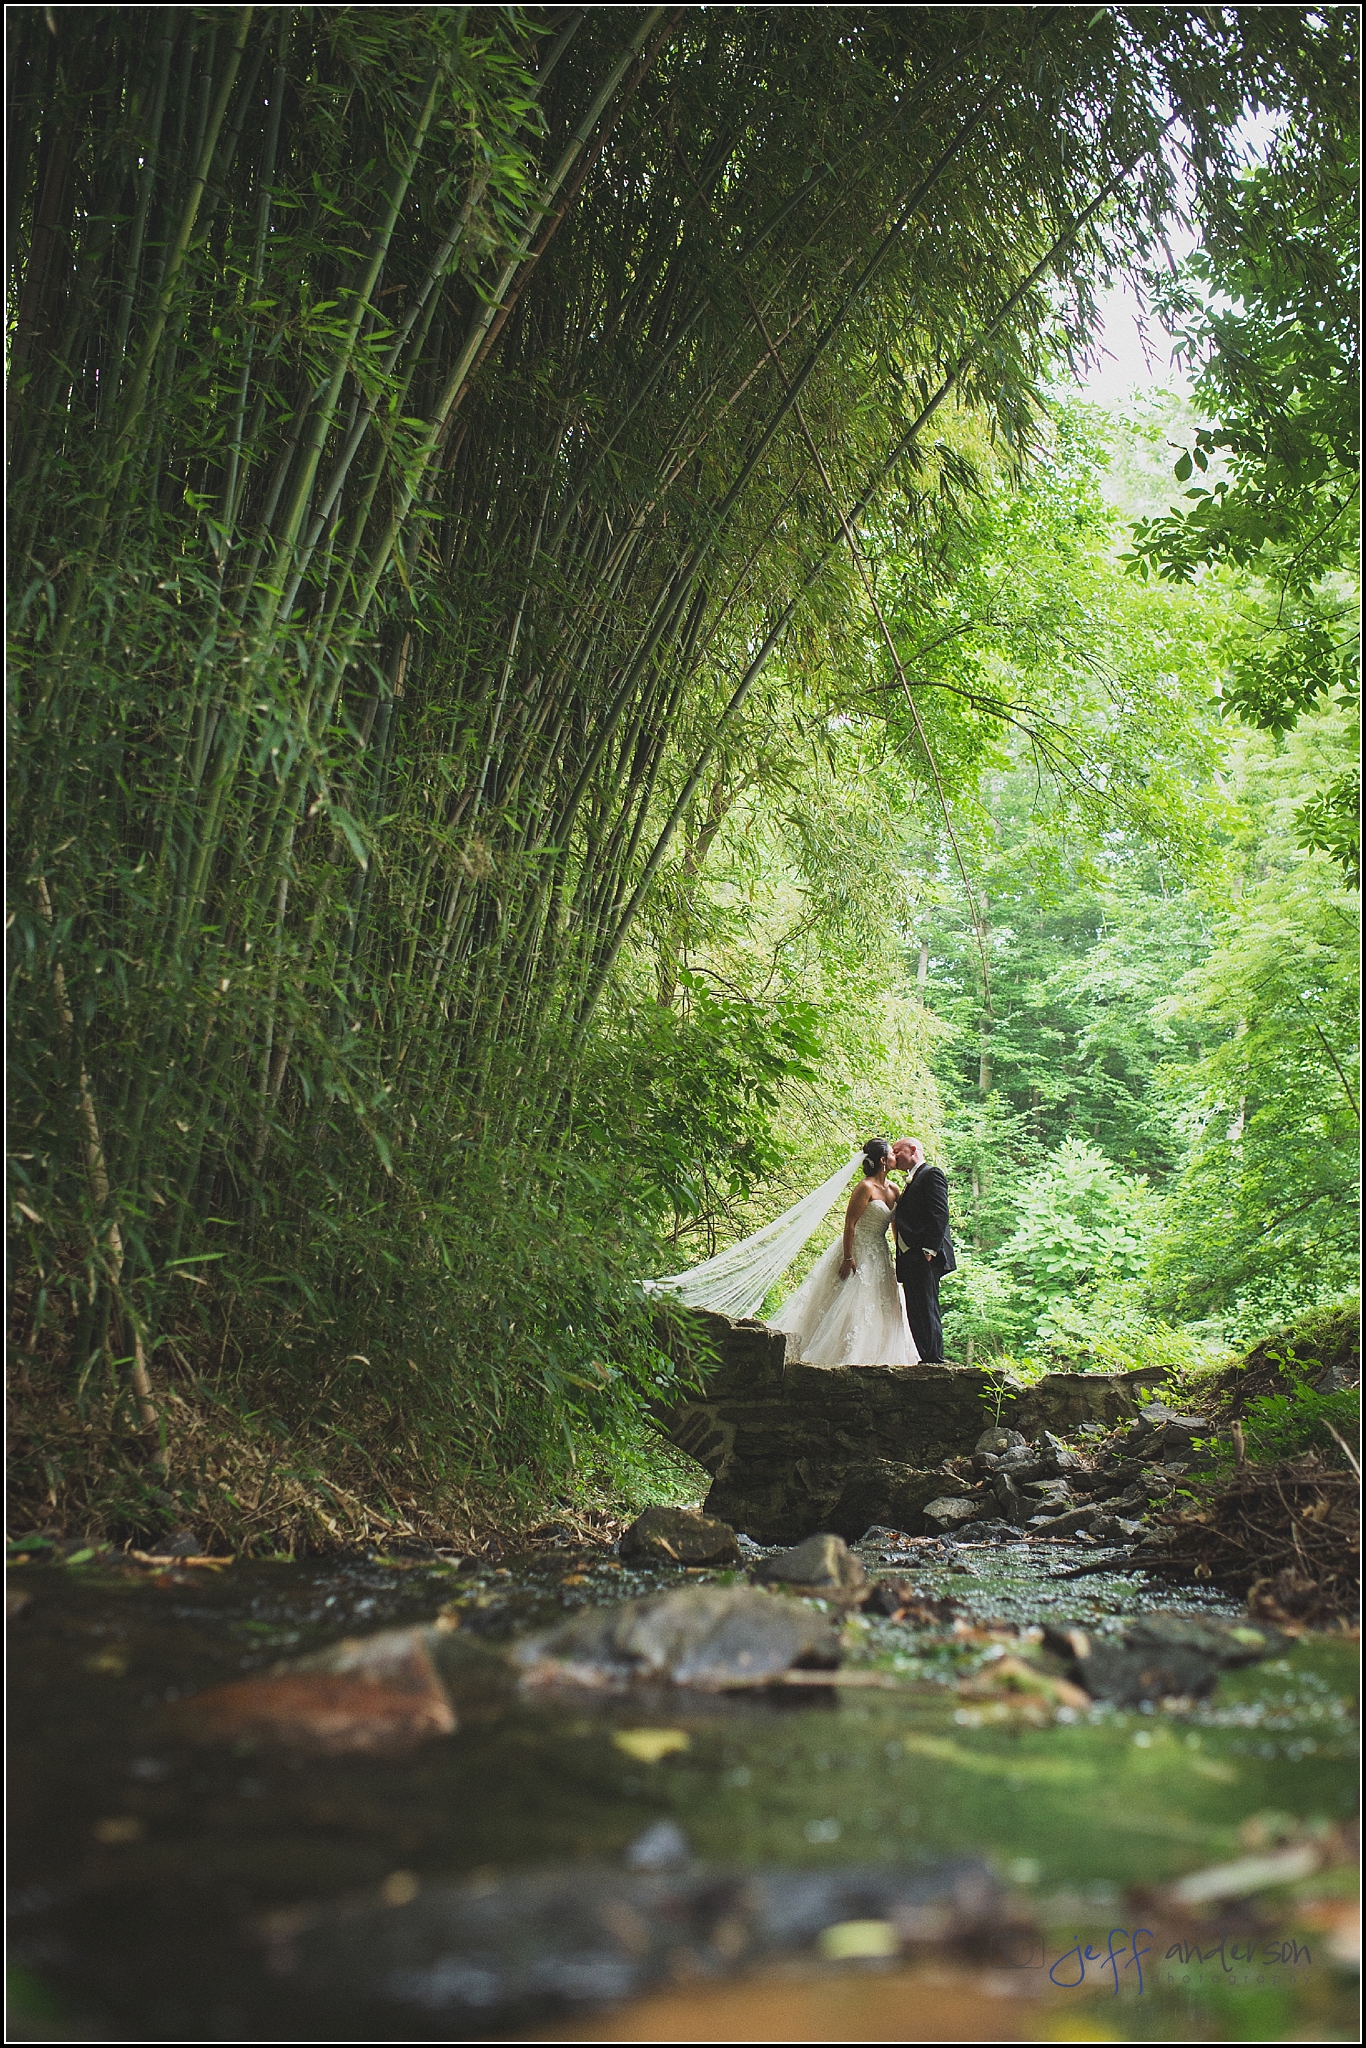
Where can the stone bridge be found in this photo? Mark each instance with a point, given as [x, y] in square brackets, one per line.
[794, 1448]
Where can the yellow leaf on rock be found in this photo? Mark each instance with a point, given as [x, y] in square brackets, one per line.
[650, 1745]
[112, 1663]
[849, 1939]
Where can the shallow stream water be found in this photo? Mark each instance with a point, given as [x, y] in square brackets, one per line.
[144, 1869]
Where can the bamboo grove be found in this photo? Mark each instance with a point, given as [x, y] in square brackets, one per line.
[433, 431]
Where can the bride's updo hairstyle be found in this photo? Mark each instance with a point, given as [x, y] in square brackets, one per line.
[877, 1153]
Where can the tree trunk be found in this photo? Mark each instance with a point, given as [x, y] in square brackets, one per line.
[984, 1059]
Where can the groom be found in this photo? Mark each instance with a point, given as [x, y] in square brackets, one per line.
[924, 1249]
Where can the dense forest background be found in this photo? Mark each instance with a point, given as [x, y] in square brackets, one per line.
[573, 648]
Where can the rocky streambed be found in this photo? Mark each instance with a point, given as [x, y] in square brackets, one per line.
[893, 1790]
[1101, 1492]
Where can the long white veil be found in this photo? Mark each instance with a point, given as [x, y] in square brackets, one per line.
[736, 1281]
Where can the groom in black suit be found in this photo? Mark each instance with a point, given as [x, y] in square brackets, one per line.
[924, 1249]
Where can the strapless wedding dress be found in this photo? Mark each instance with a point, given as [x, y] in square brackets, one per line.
[858, 1321]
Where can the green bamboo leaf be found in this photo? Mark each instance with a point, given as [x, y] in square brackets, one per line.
[351, 832]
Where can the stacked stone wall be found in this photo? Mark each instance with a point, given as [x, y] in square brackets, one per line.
[793, 1449]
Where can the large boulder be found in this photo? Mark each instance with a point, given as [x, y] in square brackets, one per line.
[879, 1491]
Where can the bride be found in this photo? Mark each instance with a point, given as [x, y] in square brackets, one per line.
[849, 1310]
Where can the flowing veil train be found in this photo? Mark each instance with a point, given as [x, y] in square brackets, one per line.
[736, 1281]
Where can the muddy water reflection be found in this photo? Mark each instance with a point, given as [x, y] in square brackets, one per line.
[144, 1869]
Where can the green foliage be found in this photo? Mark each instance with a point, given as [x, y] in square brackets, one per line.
[1080, 1232]
[1006, 1377]
[1274, 1388]
[981, 1305]
[1126, 1337]
[1076, 1038]
[1330, 822]
[1287, 1425]
[685, 1098]
[1268, 308]
[1262, 1219]
[1195, 1021]
[1032, 656]
[639, 1469]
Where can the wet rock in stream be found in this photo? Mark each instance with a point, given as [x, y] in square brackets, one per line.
[879, 1538]
[376, 1696]
[823, 1564]
[1070, 1522]
[899, 1600]
[679, 1536]
[1159, 1656]
[988, 1531]
[716, 1638]
[950, 1514]
[508, 1951]
[383, 1694]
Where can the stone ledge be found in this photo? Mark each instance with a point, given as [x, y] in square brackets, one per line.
[794, 1448]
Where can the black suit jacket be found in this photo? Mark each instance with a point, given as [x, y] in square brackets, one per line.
[922, 1218]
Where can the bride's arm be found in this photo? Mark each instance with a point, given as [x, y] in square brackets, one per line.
[858, 1202]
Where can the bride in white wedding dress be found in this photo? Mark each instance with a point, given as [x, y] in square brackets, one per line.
[849, 1310]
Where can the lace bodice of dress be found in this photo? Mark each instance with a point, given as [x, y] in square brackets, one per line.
[872, 1224]
[859, 1320]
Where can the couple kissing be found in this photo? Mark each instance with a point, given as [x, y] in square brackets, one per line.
[858, 1305]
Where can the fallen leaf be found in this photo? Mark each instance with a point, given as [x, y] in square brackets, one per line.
[1247, 1874]
[1014, 1674]
[217, 1564]
[118, 1830]
[650, 1745]
[849, 1939]
[111, 1663]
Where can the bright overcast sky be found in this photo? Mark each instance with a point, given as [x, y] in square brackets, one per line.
[1126, 365]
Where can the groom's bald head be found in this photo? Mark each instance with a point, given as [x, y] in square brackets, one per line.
[908, 1153]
